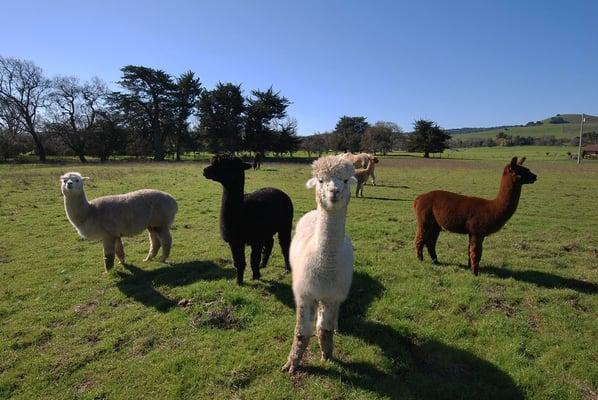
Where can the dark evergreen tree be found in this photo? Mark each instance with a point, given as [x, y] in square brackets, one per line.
[221, 118]
[264, 110]
[348, 133]
[427, 137]
[187, 94]
[149, 103]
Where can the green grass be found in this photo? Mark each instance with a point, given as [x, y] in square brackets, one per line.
[569, 130]
[525, 328]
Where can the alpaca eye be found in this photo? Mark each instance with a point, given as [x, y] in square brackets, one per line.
[321, 180]
[346, 180]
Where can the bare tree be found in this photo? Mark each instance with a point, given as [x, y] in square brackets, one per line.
[74, 110]
[24, 88]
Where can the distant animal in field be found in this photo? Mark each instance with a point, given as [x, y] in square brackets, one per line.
[257, 160]
[439, 210]
[110, 218]
[322, 258]
[251, 219]
[363, 160]
[362, 175]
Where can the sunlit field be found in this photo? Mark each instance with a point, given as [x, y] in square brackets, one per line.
[525, 328]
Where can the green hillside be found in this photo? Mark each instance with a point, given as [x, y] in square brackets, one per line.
[569, 129]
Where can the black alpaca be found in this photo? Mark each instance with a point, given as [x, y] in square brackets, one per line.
[252, 218]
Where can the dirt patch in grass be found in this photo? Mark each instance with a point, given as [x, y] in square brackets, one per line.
[85, 308]
[217, 314]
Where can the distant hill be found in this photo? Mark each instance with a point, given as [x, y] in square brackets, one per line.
[559, 126]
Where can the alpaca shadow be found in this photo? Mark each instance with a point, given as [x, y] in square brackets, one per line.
[391, 186]
[382, 198]
[543, 279]
[141, 285]
[415, 368]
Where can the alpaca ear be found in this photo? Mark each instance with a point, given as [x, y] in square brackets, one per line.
[311, 183]
[85, 178]
[513, 161]
[352, 181]
[521, 161]
[246, 166]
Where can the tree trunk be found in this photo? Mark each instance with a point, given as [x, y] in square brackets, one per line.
[178, 148]
[41, 152]
[82, 157]
[427, 154]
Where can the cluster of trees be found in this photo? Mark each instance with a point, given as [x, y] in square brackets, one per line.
[355, 134]
[153, 114]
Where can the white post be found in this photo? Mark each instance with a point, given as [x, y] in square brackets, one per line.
[580, 136]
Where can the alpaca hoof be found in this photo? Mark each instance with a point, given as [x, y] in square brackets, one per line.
[256, 277]
[435, 261]
[290, 366]
[148, 258]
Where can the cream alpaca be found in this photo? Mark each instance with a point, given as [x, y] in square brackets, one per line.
[321, 258]
[363, 160]
[362, 176]
[110, 218]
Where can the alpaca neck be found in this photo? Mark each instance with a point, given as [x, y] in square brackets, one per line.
[329, 230]
[231, 208]
[507, 199]
[77, 207]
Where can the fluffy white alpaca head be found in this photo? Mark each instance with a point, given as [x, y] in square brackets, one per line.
[72, 183]
[332, 176]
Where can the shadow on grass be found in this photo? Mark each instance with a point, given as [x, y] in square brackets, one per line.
[543, 279]
[141, 285]
[415, 368]
[381, 198]
[390, 186]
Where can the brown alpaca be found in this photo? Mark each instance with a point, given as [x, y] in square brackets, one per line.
[362, 175]
[474, 216]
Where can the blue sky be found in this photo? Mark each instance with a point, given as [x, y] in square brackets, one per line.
[460, 63]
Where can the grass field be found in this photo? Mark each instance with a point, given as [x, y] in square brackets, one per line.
[527, 327]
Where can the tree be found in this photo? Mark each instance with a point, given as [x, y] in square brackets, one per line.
[427, 137]
[381, 137]
[264, 111]
[73, 111]
[317, 143]
[285, 137]
[348, 133]
[221, 117]
[149, 103]
[108, 135]
[24, 89]
[188, 91]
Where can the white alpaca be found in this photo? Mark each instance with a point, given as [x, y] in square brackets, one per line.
[109, 218]
[321, 257]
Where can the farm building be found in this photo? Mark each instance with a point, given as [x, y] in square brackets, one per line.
[590, 151]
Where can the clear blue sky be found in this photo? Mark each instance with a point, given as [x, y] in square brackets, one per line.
[473, 63]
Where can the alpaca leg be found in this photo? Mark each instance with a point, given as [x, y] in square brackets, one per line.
[267, 250]
[325, 327]
[432, 238]
[238, 251]
[373, 178]
[419, 241]
[120, 250]
[256, 255]
[284, 239]
[154, 244]
[109, 253]
[305, 314]
[166, 241]
[475, 252]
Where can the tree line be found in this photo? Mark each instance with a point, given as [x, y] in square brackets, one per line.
[153, 114]
[157, 114]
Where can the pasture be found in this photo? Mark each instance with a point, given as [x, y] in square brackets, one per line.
[525, 328]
